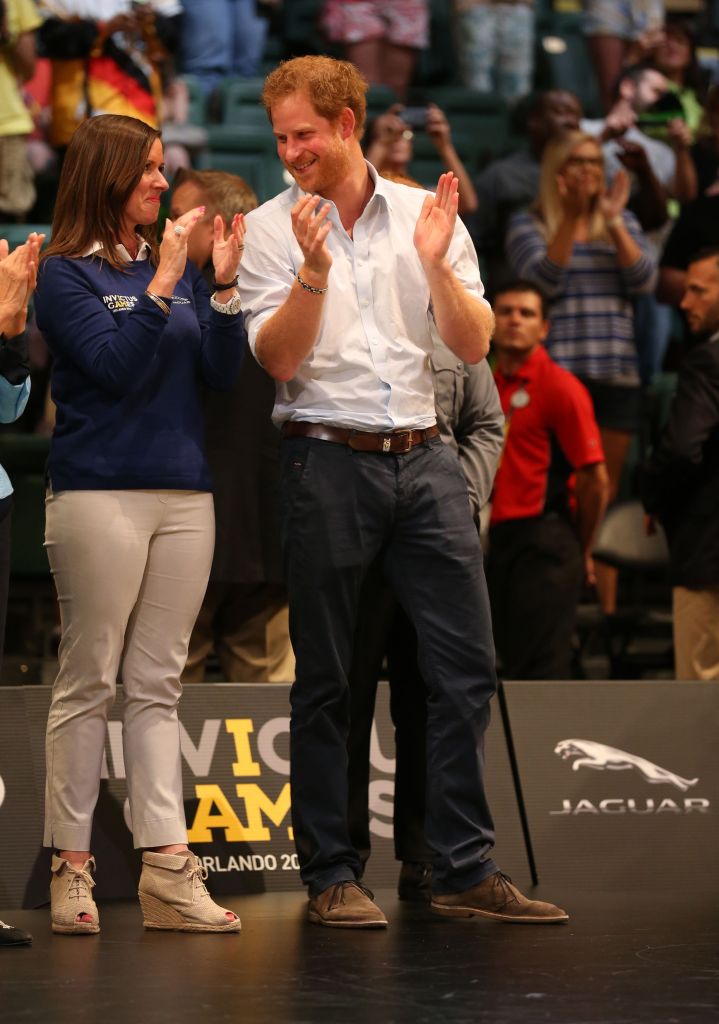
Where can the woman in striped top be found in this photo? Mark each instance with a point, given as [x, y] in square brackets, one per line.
[587, 253]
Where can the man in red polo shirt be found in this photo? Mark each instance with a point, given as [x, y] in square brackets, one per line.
[543, 522]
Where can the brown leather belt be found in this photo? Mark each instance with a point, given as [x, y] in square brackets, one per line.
[396, 443]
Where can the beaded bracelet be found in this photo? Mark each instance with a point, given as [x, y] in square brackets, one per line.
[218, 287]
[311, 288]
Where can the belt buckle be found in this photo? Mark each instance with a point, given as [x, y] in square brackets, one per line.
[407, 445]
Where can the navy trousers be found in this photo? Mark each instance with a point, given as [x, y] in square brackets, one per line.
[340, 510]
[382, 630]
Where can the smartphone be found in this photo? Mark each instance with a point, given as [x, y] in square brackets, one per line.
[414, 117]
[654, 120]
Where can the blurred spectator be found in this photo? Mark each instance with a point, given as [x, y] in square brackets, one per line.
[221, 38]
[681, 486]
[36, 94]
[705, 151]
[495, 44]
[18, 22]
[659, 172]
[388, 147]
[510, 183]
[620, 132]
[18, 273]
[587, 253]
[618, 30]
[108, 57]
[17, 279]
[244, 614]
[675, 56]
[696, 228]
[540, 552]
[381, 38]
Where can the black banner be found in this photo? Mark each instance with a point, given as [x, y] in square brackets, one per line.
[235, 745]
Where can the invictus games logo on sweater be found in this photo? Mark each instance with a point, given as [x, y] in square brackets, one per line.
[117, 303]
[601, 757]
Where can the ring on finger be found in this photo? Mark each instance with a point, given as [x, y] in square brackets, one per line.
[179, 230]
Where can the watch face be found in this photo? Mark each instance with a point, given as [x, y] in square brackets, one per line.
[233, 306]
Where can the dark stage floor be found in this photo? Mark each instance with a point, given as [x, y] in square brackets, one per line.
[622, 959]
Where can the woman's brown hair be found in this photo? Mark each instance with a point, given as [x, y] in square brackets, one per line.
[103, 165]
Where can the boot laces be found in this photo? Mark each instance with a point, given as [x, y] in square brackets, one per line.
[337, 896]
[197, 874]
[80, 884]
[503, 891]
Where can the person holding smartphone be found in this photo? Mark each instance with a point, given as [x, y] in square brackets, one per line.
[388, 146]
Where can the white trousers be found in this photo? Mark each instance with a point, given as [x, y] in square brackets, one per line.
[696, 632]
[130, 569]
[248, 625]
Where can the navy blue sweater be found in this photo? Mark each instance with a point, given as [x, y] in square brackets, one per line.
[125, 377]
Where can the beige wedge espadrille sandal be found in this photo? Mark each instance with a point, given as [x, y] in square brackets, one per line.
[71, 897]
[174, 897]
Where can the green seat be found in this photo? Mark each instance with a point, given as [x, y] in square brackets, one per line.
[458, 99]
[236, 93]
[16, 234]
[379, 99]
[249, 152]
[426, 171]
[247, 116]
[483, 119]
[562, 62]
[426, 166]
[240, 138]
[274, 52]
[197, 113]
[438, 63]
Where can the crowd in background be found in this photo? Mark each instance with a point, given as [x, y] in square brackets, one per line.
[599, 210]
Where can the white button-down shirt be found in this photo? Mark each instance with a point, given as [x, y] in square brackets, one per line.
[369, 368]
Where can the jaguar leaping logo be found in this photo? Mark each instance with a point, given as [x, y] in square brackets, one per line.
[599, 756]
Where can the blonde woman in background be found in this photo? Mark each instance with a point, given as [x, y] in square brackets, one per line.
[586, 252]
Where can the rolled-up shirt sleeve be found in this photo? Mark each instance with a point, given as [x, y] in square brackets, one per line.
[266, 274]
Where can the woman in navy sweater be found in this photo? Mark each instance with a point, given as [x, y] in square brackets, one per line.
[130, 522]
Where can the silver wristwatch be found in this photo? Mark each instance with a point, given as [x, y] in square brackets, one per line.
[230, 308]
